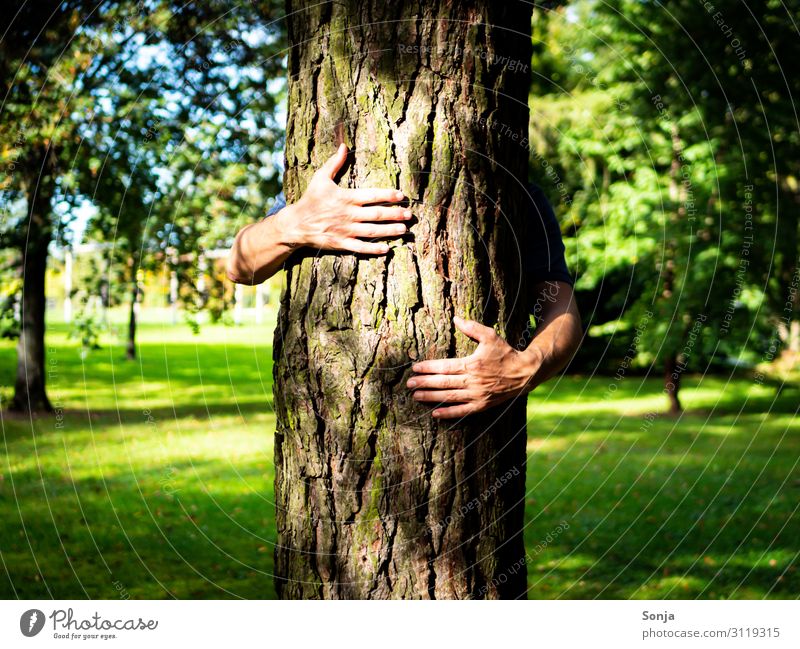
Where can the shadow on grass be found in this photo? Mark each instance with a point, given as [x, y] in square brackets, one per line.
[183, 529]
[683, 508]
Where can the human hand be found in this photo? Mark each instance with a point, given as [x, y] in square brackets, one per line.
[329, 217]
[495, 372]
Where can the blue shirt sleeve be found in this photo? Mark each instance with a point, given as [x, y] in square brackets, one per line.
[544, 255]
[280, 203]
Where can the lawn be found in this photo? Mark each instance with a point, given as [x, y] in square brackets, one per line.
[155, 479]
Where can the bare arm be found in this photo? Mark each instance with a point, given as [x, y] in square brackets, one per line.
[259, 251]
[327, 217]
[559, 332]
[495, 371]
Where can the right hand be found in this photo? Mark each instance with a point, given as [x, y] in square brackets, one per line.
[329, 217]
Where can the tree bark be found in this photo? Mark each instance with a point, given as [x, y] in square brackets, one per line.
[376, 499]
[29, 388]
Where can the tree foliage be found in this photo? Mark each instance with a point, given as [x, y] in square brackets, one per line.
[671, 132]
[142, 111]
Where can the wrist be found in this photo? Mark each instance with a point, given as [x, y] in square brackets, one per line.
[533, 361]
[285, 222]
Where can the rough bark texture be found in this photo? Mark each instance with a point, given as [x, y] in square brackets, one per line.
[29, 388]
[376, 499]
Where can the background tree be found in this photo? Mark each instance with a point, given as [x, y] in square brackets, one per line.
[37, 73]
[81, 81]
[375, 498]
[648, 120]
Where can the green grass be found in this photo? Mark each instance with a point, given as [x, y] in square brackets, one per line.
[157, 480]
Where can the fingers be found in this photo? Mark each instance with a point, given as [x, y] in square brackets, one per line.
[443, 396]
[376, 231]
[367, 196]
[474, 330]
[438, 381]
[456, 412]
[377, 213]
[441, 366]
[335, 163]
[364, 247]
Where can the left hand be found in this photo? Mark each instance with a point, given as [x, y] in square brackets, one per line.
[495, 372]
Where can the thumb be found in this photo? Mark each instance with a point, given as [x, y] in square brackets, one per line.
[474, 330]
[334, 164]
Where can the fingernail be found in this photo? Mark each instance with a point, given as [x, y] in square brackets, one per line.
[436, 413]
[407, 214]
[399, 195]
[458, 319]
[401, 229]
[415, 368]
[412, 383]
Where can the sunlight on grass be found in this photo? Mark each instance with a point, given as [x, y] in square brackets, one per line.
[158, 477]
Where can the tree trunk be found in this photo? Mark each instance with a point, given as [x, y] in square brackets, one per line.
[376, 499]
[130, 350]
[677, 190]
[672, 384]
[29, 388]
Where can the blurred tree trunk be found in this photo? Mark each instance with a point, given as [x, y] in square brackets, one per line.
[375, 499]
[677, 192]
[672, 384]
[130, 349]
[29, 387]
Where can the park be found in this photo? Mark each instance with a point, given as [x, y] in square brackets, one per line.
[175, 425]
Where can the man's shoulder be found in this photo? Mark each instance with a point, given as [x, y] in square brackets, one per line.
[542, 208]
[537, 195]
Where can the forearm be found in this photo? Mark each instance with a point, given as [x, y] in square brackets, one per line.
[557, 337]
[553, 347]
[259, 250]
